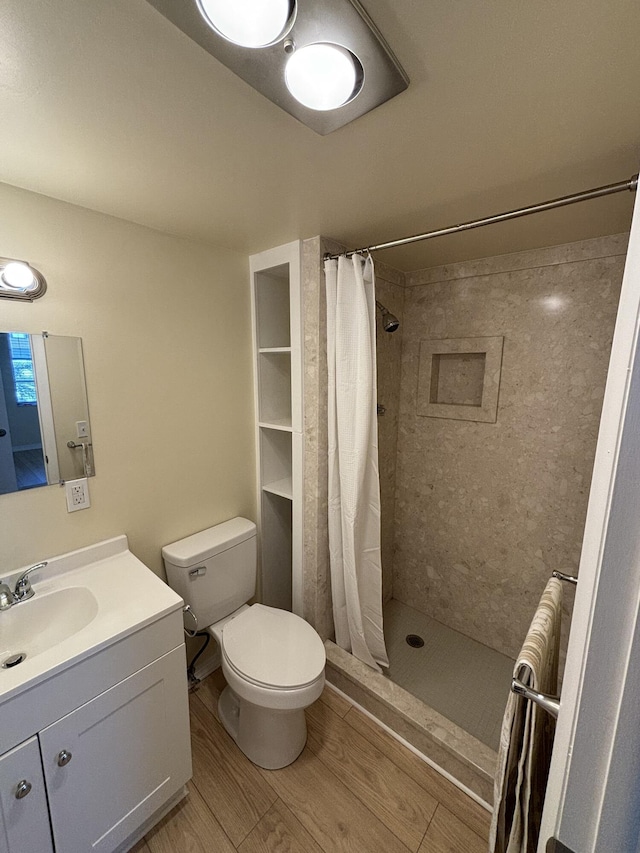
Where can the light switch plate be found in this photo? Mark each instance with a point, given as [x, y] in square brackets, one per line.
[77, 492]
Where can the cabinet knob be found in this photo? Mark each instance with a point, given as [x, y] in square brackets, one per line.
[22, 789]
[64, 757]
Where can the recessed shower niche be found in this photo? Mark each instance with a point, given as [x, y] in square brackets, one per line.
[459, 378]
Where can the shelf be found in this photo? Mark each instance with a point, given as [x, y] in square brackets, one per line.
[283, 488]
[277, 533]
[274, 382]
[278, 366]
[276, 462]
[283, 425]
[272, 307]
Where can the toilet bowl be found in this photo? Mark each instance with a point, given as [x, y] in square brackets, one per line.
[273, 661]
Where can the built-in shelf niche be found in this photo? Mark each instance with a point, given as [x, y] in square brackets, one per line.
[273, 314]
[274, 380]
[279, 441]
[277, 463]
[277, 550]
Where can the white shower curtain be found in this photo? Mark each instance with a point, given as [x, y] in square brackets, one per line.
[354, 486]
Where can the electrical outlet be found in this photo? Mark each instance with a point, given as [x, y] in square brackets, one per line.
[77, 492]
[82, 429]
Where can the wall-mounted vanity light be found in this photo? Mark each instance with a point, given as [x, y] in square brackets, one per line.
[323, 61]
[19, 280]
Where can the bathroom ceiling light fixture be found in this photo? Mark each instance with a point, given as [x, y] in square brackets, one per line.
[249, 23]
[19, 280]
[323, 61]
[324, 76]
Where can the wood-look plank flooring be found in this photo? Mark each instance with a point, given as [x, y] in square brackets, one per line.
[354, 789]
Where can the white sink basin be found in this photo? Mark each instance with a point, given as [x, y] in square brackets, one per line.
[83, 602]
[34, 626]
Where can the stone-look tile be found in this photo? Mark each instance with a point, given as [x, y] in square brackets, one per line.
[316, 581]
[389, 351]
[485, 512]
[583, 250]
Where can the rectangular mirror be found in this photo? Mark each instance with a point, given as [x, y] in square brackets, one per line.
[45, 432]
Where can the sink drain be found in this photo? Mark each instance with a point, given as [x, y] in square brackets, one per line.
[14, 660]
[415, 641]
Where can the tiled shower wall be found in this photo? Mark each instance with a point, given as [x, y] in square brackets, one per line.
[390, 292]
[485, 511]
[475, 516]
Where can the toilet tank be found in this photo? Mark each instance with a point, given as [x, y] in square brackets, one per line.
[215, 570]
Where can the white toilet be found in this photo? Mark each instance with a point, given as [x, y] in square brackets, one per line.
[273, 660]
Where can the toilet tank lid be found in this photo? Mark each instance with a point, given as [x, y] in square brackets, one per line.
[194, 549]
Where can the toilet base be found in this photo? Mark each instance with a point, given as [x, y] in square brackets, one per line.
[269, 737]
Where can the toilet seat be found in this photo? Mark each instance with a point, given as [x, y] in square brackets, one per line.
[273, 648]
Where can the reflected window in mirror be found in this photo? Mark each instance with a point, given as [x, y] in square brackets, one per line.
[24, 379]
[45, 432]
[22, 464]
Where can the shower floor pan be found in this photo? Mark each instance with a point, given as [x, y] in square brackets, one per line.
[445, 698]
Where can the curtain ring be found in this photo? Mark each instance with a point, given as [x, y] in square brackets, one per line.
[187, 609]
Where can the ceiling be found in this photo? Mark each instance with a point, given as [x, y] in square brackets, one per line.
[107, 105]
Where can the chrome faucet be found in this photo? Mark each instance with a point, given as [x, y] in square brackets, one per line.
[22, 591]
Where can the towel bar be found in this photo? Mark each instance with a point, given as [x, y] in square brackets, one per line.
[551, 704]
[561, 576]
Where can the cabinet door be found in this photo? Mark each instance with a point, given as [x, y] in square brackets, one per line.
[112, 763]
[24, 822]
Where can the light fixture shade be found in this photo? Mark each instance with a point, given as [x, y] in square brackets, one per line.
[323, 76]
[379, 75]
[249, 23]
[19, 280]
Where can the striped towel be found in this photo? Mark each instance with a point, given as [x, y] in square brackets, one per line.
[526, 739]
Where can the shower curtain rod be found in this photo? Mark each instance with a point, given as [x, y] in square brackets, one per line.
[609, 189]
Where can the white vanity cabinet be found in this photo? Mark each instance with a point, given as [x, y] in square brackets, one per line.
[24, 824]
[109, 766]
[97, 743]
[113, 762]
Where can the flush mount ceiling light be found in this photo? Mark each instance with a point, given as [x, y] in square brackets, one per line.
[324, 76]
[19, 280]
[249, 23]
[323, 61]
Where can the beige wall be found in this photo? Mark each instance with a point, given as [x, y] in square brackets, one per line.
[165, 326]
[485, 511]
